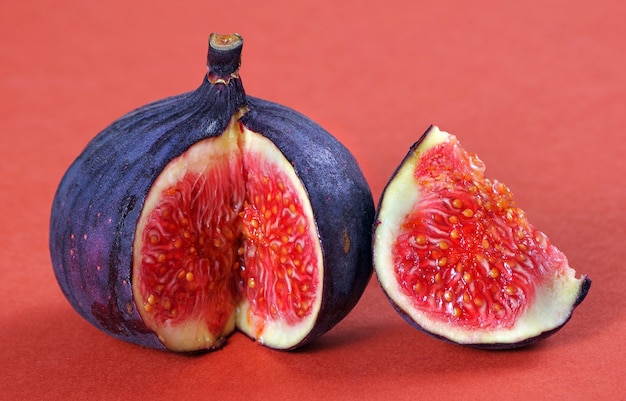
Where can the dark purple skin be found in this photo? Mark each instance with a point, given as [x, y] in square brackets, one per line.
[584, 288]
[99, 200]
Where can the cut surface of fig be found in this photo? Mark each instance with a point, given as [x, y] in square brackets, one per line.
[227, 238]
[282, 268]
[457, 257]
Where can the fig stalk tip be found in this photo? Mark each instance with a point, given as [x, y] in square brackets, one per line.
[224, 57]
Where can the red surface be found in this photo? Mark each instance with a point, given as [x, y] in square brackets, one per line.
[536, 89]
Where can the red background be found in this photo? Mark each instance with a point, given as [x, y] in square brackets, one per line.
[537, 89]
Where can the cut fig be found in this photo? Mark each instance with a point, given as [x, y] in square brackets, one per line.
[458, 260]
[212, 211]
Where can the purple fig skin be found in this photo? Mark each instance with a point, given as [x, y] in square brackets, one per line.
[99, 200]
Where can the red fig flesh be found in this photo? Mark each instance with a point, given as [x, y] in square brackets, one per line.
[460, 261]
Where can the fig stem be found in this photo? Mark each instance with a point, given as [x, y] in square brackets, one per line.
[224, 57]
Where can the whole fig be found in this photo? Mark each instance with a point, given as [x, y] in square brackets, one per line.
[212, 211]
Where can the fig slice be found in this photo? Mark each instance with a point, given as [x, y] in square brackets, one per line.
[459, 260]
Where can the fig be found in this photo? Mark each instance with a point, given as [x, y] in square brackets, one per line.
[459, 260]
[209, 212]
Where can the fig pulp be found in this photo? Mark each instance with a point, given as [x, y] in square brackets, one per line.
[212, 211]
[460, 261]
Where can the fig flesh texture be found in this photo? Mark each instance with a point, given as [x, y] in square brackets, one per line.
[459, 260]
[212, 211]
